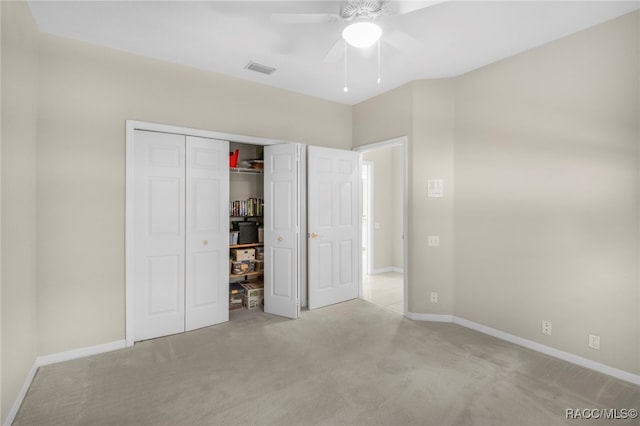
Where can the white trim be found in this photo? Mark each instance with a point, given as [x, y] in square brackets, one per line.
[210, 134]
[529, 344]
[370, 212]
[23, 392]
[385, 270]
[53, 359]
[399, 141]
[80, 353]
[430, 317]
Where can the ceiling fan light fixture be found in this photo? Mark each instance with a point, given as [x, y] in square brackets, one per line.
[362, 34]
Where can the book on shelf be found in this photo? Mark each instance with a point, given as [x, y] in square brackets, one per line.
[244, 208]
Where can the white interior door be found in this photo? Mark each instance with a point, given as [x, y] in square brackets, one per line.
[207, 232]
[282, 269]
[333, 222]
[158, 241]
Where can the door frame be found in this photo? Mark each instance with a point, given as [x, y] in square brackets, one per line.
[402, 141]
[368, 166]
[131, 127]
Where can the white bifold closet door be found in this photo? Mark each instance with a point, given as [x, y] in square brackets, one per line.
[283, 225]
[181, 186]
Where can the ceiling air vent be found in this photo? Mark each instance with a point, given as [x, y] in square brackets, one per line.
[254, 66]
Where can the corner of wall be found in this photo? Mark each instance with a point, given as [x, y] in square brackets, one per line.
[18, 300]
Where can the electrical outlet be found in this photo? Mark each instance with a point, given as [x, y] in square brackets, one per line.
[433, 240]
[546, 327]
[594, 341]
[434, 297]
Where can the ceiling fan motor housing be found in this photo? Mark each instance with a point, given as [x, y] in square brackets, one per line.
[362, 9]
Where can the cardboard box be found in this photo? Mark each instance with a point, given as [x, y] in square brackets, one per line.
[253, 288]
[259, 253]
[252, 303]
[243, 254]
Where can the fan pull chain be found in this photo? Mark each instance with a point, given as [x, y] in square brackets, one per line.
[379, 61]
[345, 89]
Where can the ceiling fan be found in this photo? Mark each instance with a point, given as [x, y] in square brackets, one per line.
[361, 13]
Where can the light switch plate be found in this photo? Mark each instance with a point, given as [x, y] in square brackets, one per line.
[434, 188]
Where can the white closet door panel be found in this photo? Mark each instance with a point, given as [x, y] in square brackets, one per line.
[158, 234]
[282, 230]
[207, 232]
[333, 222]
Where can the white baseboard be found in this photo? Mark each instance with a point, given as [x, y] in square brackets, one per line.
[430, 317]
[538, 347]
[81, 352]
[387, 269]
[55, 358]
[23, 392]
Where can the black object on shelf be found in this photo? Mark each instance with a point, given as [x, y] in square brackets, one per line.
[248, 231]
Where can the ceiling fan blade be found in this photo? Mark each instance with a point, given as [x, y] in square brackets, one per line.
[402, 41]
[402, 7]
[304, 18]
[336, 52]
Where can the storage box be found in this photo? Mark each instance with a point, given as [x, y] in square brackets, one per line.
[239, 267]
[253, 288]
[248, 231]
[252, 303]
[236, 294]
[259, 266]
[253, 294]
[259, 253]
[261, 235]
[233, 237]
[243, 254]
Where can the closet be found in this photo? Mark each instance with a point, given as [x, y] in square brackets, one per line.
[179, 213]
[180, 193]
[246, 235]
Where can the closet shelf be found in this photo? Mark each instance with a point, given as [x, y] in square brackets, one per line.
[248, 274]
[245, 170]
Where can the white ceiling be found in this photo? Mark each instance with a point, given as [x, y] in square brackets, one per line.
[438, 39]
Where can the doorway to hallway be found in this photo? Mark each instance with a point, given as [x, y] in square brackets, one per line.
[383, 224]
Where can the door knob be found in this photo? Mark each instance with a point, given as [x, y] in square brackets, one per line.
[205, 242]
[279, 238]
[314, 235]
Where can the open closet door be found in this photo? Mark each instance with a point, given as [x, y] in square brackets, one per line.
[282, 227]
[333, 222]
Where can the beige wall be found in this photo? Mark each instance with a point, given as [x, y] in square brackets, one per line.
[431, 156]
[387, 207]
[87, 94]
[543, 149]
[18, 167]
[546, 200]
[423, 111]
